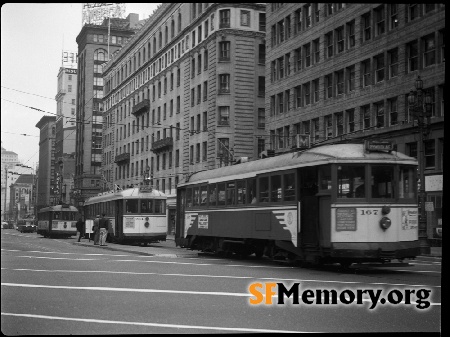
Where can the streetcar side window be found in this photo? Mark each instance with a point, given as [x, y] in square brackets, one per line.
[131, 206]
[203, 195]
[351, 181]
[275, 188]
[160, 206]
[251, 184]
[241, 192]
[221, 194]
[289, 187]
[325, 177]
[212, 194]
[382, 180]
[407, 182]
[231, 193]
[196, 196]
[264, 189]
[189, 197]
[56, 215]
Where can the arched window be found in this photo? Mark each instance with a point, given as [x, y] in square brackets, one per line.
[172, 28]
[179, 22]
[148, 49]
[100, 55]
[160, 39]
[167, 35]
[154, 45]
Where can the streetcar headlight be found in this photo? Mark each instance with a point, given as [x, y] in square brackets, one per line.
[385, 223]
[385, 210]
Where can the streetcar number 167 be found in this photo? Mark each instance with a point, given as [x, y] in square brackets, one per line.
[369, 212]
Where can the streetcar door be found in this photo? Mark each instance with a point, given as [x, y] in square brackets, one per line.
[180, 220]
[309, 208]
[119, 218]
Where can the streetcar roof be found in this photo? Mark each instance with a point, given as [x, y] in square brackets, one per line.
[326, 154]
[130, 193]
[59, 208]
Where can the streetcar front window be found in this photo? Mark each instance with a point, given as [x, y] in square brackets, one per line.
[131, 206]
[160, 206]
[189, 197]
[351, 181]
[196, 196]
[146, 206]
[407, 182]
[382, 181]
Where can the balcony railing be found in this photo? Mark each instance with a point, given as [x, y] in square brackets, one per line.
[141, 107]
[162, 144]
[123, 157]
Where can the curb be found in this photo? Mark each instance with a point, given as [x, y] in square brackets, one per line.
[187, 254]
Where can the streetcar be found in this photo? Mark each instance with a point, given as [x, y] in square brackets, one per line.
[136, 215]
[58, 220]
[338, 203]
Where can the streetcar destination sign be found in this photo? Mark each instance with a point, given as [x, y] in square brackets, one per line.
[378, 145]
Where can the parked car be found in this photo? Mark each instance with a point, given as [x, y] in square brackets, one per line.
[5, 225]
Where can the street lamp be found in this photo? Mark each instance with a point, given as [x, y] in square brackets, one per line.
[420, 103]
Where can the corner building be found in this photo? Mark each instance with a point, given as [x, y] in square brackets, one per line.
[185, 94]
[93, 49]
[338, 71]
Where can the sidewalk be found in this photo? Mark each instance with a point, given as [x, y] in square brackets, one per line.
[435, 252]
[162, 249]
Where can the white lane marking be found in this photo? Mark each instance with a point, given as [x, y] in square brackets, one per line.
[63, 253]
[56, 258]
[418, 271]
[213, 293]
[205, 264]
[222, 276]
[174, 326]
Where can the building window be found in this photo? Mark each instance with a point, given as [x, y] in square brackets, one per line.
[351, 78]
[298, 59]
[413, 11]
[205, 91]
[351, 34]
[245, 18]
[224, 83]
[339, 123]
[297, 21]
[340, 39]
[413, 56]
[393, 16]
[315, 90]
[224, 17]
[224, 51]
[316, 50]
[429, 48]
[261, 118]
[307, 50]
[298, 96]
[367, 26]
[379, 20]
[261, 86]
[224, 115]
[379, 112]
[307, 93]
[280, 97]
[379, 68]
[329, 44]
[393, 112]
[366, 73]
[328, 120]
[430, 154]
[393, 62]
[351, 120]
[262, 54]
[328, 86]
[365, 116]
[339, 82]
[308, 15]
[262, 22]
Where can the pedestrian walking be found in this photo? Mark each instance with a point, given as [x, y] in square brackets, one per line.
[80, 228]
[96, 230]
[103, 230]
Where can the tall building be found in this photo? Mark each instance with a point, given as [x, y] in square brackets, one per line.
[21, 192]
[340, 71]
[65, 132]
[185, 94]
[93, 50]
[45, 181]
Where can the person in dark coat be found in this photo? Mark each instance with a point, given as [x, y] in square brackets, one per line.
[96, 230]
[80, 228]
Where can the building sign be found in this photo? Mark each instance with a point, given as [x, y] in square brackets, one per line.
[345, 219]
[70, 71]
[94, 13]
[69, 59]
[434, 183]
[378, 145]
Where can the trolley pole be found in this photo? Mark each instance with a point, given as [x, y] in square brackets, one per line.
[420, 104]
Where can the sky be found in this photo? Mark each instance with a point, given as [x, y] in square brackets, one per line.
[33, 36]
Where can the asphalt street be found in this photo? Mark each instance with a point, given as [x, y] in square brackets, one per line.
[59, 286]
